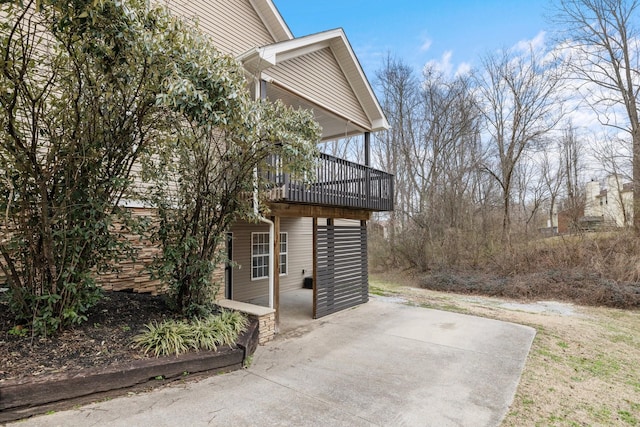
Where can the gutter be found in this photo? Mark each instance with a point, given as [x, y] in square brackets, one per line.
[264, 220]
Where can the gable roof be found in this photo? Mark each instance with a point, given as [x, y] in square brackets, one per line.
[319, 72]
[260, 60]
[263, 60]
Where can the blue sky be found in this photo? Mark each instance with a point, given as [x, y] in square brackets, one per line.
[419, 31]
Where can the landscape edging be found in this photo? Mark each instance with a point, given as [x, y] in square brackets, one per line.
[30, 396]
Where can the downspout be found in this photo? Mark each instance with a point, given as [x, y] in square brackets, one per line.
[261, 87]
[264, 220]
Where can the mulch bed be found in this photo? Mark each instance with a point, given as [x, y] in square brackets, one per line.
[97, 360]
[104, 340]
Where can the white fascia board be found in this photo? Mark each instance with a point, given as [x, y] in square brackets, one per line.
[262, 58]
[359, 82]
[301, 46]
[380, 124]
[269, 79]
[301, 51]
[348, 62]
[272, 19]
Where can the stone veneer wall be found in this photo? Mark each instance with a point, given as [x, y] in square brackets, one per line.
[130, 275]
[133, 276]
[266, 317]
[266, 328]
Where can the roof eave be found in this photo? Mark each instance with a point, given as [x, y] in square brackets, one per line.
[272, 19]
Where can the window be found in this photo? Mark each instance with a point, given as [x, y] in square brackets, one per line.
[260, 255]
[284, 246]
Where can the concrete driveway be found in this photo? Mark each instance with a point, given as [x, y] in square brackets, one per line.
[380, 364]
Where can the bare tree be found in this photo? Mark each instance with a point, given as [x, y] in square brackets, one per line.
[350, 148]
[604, 39]
[530, 190]
[520, 104]
[397, 84]
[440, 162]
[553, 176]
[572, 200]
[434, 149]
[570, 149]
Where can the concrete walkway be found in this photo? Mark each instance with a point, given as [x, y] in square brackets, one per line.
[380, 364]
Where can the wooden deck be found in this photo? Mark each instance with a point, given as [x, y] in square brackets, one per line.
[338, 183]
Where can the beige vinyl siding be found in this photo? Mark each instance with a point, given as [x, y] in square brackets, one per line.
[319, 76]
[244, 288]
[300, 234]
[233, 25]
[300, 253]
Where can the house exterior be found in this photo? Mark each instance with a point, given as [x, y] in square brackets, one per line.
[314, 233]
[611, 204]
[607, 204]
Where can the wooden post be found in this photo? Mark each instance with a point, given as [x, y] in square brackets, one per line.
[367, 148]
[367, 163]
[276, 268]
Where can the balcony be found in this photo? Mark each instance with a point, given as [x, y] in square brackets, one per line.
[339, 183]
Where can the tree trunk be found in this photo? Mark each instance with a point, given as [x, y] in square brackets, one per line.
[636, 180]
[506, 220]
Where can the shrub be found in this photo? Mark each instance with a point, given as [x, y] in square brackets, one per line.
[177, 336]
[599, 269]
[220, 329]
[95, 72]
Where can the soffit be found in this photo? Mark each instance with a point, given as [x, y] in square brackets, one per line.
[333, 125]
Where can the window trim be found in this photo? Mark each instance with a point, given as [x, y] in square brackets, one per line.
[261, 256]
[267, 255]
[286, 263]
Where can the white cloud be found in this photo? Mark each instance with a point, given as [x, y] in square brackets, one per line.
[426, 45]
[538, 43]
[447, 67]
[464, 68]
[443, 64]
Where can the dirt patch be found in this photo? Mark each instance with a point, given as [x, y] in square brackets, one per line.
[105, 339]
[583, 368]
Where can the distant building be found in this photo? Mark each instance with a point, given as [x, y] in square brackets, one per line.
[609, 204]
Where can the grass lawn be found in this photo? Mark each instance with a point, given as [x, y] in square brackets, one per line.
[583, 368]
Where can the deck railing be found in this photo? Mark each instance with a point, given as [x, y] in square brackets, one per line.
[338, 183]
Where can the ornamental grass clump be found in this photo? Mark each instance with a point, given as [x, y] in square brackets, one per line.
[221, 329]
[177, 336]
[167, 337]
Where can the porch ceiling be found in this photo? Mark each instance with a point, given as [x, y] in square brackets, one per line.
[333, 125]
